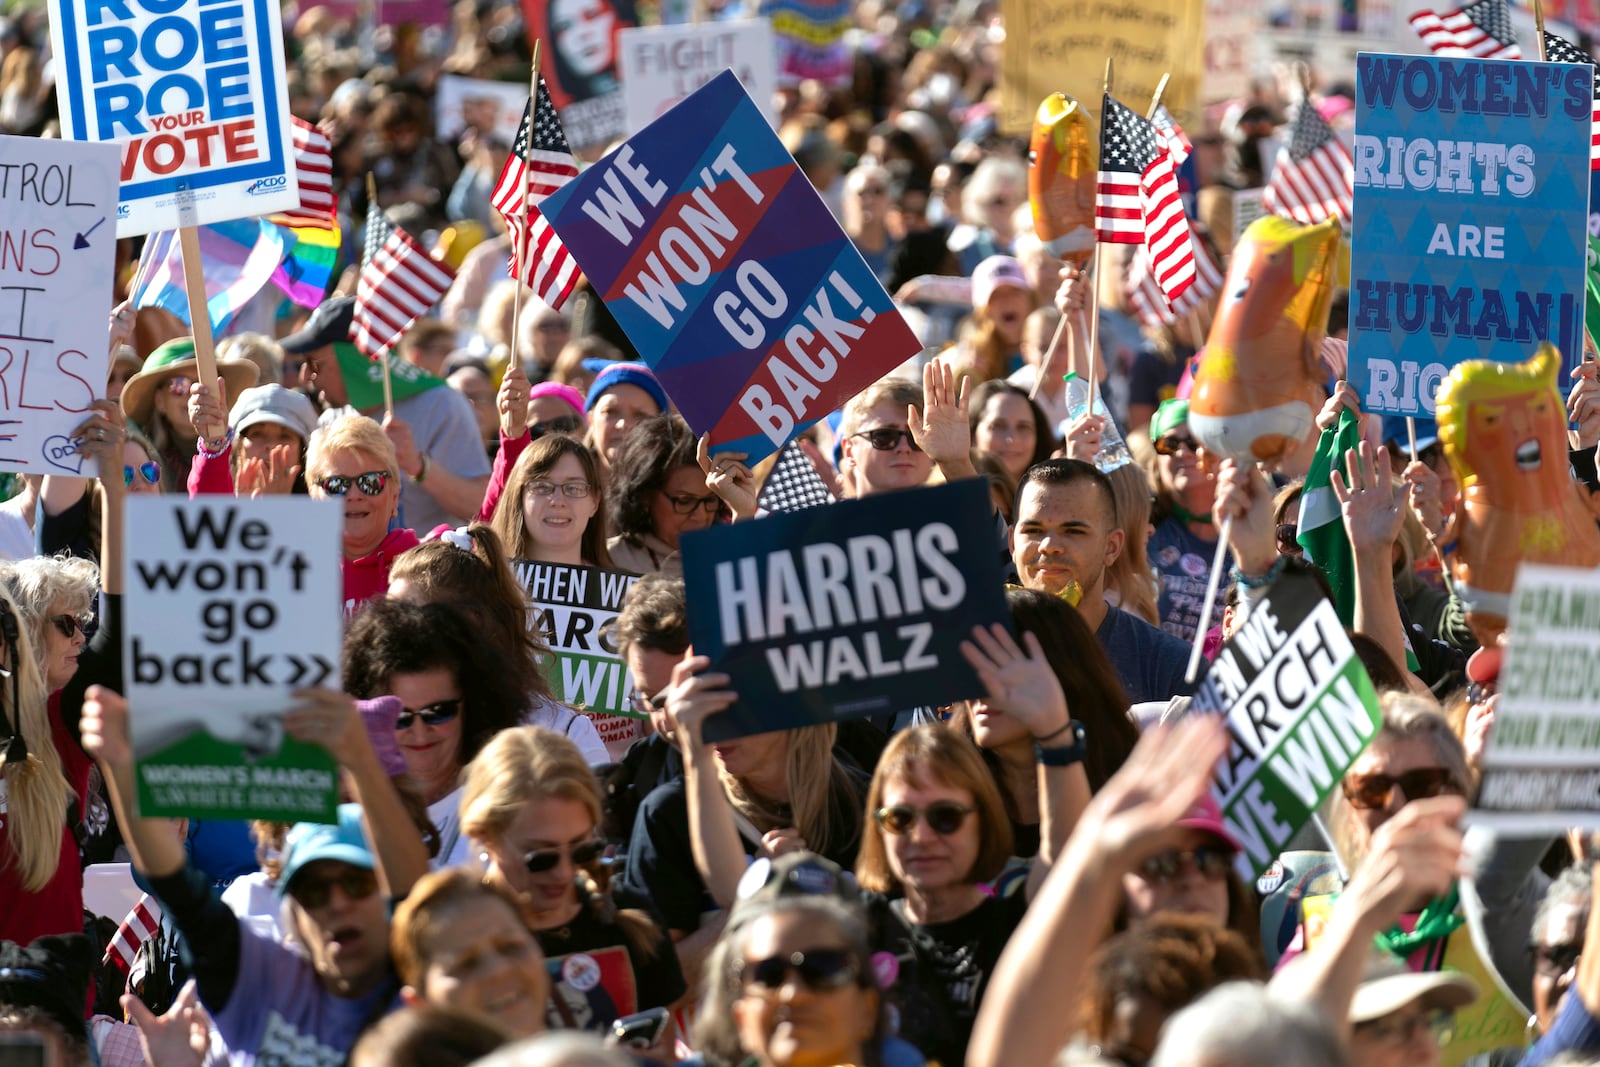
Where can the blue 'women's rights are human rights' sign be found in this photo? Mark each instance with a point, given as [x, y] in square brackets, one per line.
[1471, 207]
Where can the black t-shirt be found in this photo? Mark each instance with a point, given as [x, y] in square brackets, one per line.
[597, 976]
[935, 975]
[661, 867]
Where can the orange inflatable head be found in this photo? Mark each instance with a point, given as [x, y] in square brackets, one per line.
[1256, 392]
[1061, 179]
[1503, 428]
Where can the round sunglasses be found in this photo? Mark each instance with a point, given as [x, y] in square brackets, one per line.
[370, 483]
[150, 472]
[944, 817]
[582, 854]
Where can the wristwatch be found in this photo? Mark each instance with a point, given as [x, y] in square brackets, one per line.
[1063, 755]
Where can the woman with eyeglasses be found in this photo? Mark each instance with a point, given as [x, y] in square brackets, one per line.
[532, 806]
[793, 983]
[1184, 541]
[552, 509]
[455, 697]
[352, 460]
[657, 492]
[936, 833]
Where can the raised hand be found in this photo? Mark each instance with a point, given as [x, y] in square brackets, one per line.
[730, 478]
[1424, 498]
[512, 401]
[695, 696]
[1414, 856]
[1023, 685]
[1084, 437]
[103, 727]
[1245, 496]
[327, 717]
[122, 320]
[100, 438]
[405, 446]
[1583, 402]
[208, 411]
[181, 1036]
[1370, 504]
[941, 429]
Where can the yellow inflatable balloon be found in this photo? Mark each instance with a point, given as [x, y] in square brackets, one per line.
[1503, 427]
[1260, 379]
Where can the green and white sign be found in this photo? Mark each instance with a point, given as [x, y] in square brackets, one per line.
[1541, 770]
[573, 609]
[232, 605]
[1300, 709]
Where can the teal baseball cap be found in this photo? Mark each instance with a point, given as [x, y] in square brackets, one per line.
[309, 842]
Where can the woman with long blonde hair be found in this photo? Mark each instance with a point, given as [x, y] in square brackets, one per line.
[532, 806]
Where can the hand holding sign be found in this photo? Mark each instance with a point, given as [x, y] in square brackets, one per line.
[694, 697]
[100, 437]
[328, 717]
[729, 478]
[1024, 686]
[1424, 497]
[1583, 402]
[208, 411]
[103, 728]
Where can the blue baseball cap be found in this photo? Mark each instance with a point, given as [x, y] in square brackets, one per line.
[309, 842]
[636, 374]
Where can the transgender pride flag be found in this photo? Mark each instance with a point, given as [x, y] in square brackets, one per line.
[238, 259]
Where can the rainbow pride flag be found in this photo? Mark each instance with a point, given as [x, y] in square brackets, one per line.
[311, 253]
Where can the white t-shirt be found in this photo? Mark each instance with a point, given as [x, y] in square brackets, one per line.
[574, 726]
[16, 537]
[455, 847]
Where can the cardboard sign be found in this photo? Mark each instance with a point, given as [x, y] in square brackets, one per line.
[844, 611]
[487, 106]
[1300, 709]
[1542, 768]
[1471, 204]
[579, 65]
[1247, 208]
[58, 247]
[232, 604]
[663, 64]
[193, 91]
[573, 609]
[729, 274]
[1062, 47]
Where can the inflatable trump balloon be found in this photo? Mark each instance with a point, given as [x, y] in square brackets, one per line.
[1259, 383]
[1503, 427]
[1061, 179]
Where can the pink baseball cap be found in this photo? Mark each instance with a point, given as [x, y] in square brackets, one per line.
[994, 272]
[1206, 816]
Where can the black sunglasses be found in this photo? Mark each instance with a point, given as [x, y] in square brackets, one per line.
[1171, 444]
[819, 970]
[357, 883]
[435, 714]
[1169, 866]
[1553, 961]
[67, 625]
[371, 483]
[944, 817]
[1289, 539]
[887, 438]
[582, 855]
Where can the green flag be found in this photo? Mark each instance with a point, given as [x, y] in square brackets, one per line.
[1321, 526]
[1591, 279]
[363, 378]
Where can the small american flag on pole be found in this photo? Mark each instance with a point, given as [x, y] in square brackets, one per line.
[1137, 201]
[1178, 144]
[1150, 303]
[399, 282]
[1561, 50]
[1481, 30]
[313, 165]
[540, 163]
[1314, 176]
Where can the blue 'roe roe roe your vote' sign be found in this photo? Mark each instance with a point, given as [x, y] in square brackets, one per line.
[1471, 206]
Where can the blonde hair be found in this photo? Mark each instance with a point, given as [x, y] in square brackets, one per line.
[821, 795]
[1130, 574]
[529, 763]
[901, 392]
[37, 793]
[351, 433]
[40, 583]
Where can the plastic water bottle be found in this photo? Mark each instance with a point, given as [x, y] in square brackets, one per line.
[1113, 449]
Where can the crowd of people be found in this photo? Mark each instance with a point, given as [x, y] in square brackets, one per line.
[1038, 875]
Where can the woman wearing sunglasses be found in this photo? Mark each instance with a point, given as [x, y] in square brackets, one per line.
[793, 983]
[657, 493]
[454, 693]
[936, 832]
[1184, 541]
[552, 508]
[532, 807]
[353, 461]
[157, 400]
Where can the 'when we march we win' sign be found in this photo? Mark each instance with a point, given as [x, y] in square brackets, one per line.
[1300, 709]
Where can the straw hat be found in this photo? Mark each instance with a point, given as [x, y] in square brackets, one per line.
[176, 359]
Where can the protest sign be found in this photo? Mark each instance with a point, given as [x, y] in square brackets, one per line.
[810, 37]
[663, 64]
[729, 274]
[57, 256]
[580, 64]
[853, 609]
[193, 91]
[1541, 771]
[486, 106]
[1300, 709]
[1247, 208]
[1062, 46]
[232, 604]
[1229, 68]
[573, 609]
[1471, 205]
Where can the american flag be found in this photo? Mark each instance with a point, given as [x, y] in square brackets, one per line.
[1482, 30]
[1561, 50]
[135, 930]
[1178, 144]
[399, 282]
[313, 164]
[548, 165]
[1137, 199]
[1314, 175]
[1151, 305]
